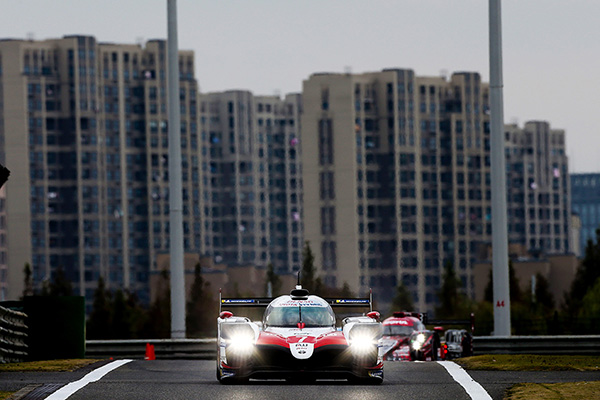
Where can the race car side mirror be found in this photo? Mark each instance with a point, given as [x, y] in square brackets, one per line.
[374, 314]
[225, 314]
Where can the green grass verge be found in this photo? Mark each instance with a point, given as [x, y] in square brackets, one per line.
[554, 391]
[46, 366]
[529, 362]
[5, 395]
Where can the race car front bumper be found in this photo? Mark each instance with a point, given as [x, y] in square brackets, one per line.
[327, 362]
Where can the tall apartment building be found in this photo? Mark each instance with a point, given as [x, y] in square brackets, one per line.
[585, 201]
[391, 183]
[84, 132]
[396, 172]
[251, 179]
[3, 253]
[538, 188]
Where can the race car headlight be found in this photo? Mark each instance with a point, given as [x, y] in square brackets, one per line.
[418, 341]
[361, 344]
[241, 344]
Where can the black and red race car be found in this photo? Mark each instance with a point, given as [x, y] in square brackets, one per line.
[297, 339]
[405, 338]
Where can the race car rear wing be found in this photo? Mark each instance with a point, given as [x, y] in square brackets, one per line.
[350, 302]
[424, 318]
[401, 314]
[467, 322]
[245, 302]
[362, 302]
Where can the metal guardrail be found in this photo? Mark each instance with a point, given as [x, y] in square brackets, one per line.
[560, 345]
[200, 349]
[13, 336]
[206, 349]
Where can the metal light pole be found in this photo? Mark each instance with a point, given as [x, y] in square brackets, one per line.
[498, 171]
[175, 201]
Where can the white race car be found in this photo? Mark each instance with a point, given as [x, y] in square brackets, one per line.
[297, 339]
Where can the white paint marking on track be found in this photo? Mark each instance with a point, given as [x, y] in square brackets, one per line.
[474, 389]
[67, 390]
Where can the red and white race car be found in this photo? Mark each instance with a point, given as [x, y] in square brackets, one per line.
[405, 338]
[297, 339]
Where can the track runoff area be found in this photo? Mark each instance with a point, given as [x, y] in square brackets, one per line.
[473, 389]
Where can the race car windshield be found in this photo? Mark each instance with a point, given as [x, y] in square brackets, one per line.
[397, 330]
[290, 316]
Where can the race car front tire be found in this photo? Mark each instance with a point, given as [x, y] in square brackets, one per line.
[415, 355]
[434, 352]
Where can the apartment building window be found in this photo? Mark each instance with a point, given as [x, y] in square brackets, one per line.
[325, 98]
[370, 125]
[329, 254]
[327, 220]
[407, 159]
[407, 193]
[325, 142]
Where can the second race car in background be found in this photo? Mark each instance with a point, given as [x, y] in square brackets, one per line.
[405, 338]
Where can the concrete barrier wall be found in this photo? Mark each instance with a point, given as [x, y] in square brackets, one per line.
[206, 349]
[567, 344]
[13, 336]
[201, 349]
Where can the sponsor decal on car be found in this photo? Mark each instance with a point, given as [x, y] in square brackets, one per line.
[302, 303]
[352, 301]
[398, 322]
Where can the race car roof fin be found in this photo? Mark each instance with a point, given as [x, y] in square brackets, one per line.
[299, 293]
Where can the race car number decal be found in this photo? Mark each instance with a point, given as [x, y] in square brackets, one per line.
[301, 339]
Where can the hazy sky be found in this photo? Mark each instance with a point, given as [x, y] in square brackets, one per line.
[551, 48]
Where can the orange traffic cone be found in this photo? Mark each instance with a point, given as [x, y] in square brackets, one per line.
[150, 352]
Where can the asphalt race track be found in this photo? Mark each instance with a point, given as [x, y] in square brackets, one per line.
[195, 379]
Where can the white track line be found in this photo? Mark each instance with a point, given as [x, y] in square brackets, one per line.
[67, 390]
[474, 389]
